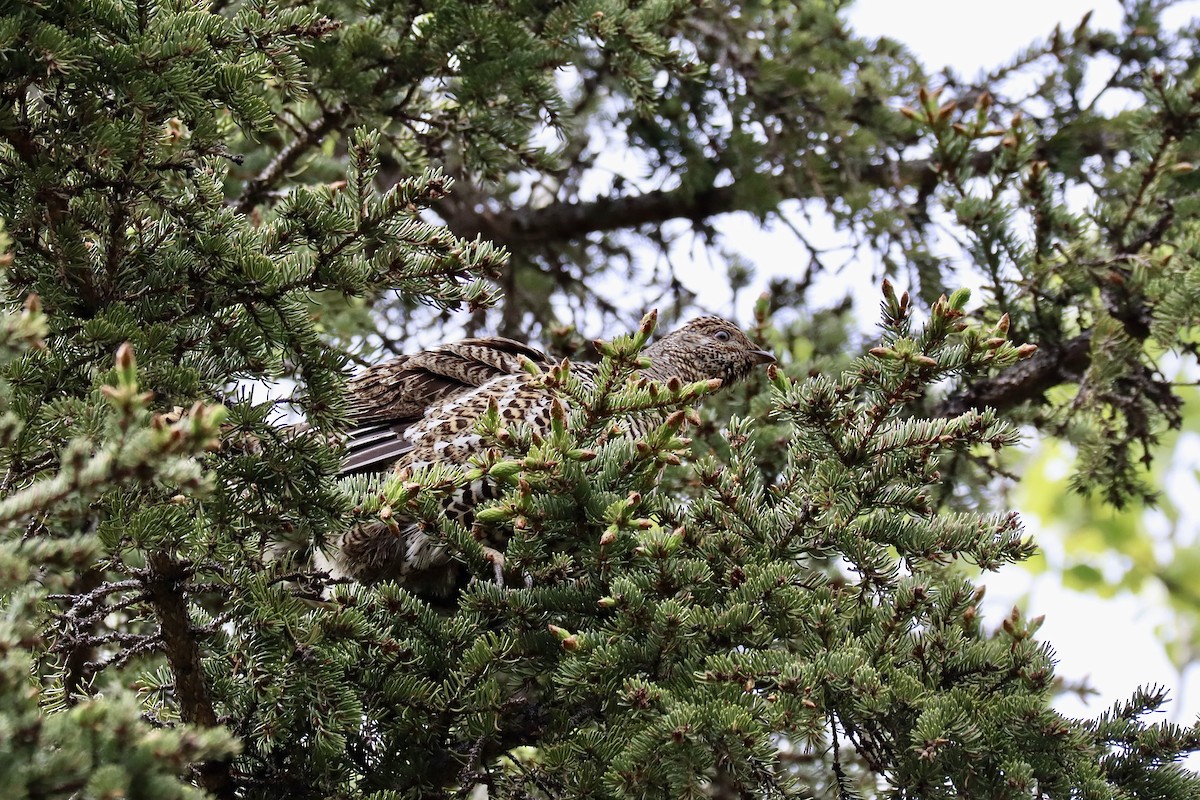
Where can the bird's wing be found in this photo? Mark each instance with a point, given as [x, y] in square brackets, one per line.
[389, 397]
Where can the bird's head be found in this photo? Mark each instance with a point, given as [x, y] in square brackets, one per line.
[706, 347]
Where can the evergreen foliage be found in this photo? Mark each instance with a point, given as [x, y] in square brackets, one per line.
[206, 199]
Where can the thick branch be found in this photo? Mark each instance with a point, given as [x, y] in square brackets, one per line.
[572, 220]
[257, 189]
[82, 651]
[1025, 380]
[164, 587]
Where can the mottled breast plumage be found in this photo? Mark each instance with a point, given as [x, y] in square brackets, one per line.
[389, 398]
[422, 409]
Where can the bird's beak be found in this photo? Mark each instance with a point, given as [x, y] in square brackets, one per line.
[762, 357]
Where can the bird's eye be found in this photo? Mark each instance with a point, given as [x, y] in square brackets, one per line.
[721, 336]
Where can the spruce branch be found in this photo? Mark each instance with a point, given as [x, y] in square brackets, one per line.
[1053, 365]
[144, 445]
[573, 220]
[258, 188]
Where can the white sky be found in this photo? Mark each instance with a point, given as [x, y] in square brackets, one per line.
[974, 37]
[1111, 643]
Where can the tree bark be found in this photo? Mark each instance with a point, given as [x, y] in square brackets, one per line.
[165, 589]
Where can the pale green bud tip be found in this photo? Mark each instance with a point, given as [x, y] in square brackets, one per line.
[125, 359]
[762, 307]
[648, 323]
[216, 415]
[494, 514]
[505, 469]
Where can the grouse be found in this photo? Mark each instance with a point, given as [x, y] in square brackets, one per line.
[417, 410]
